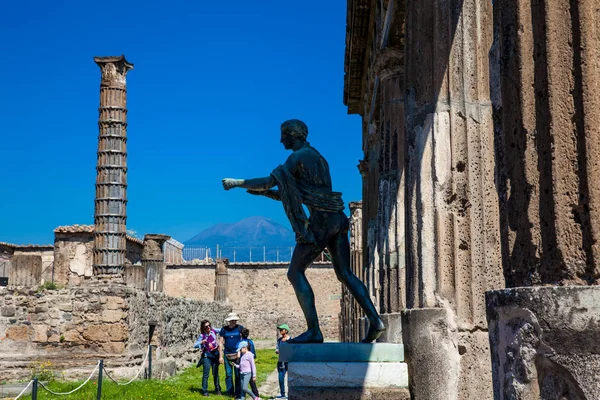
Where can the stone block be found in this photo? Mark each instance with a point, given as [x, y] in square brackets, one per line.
[19, 333]
[114, 303]
[393, 331]
[54, 313]
[348, 374]
[73, 336]
[113, 315]
[165, 367]
[105, 332]
[40, 309]
[341, 352]
[8, 311]
[40, 333]
[53, 336]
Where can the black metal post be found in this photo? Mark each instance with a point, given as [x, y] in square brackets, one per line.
[100, 369]
[150, 362]
[34, 389]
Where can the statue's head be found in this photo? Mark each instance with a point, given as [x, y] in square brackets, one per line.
[293, 130]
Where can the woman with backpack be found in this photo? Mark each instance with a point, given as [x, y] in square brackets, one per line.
[209, 346]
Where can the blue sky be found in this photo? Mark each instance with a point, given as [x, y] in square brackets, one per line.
[212, 82]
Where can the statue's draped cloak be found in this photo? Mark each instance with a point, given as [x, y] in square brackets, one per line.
[294, 192]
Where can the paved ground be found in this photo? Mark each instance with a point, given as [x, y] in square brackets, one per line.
[271, 386]
[11, 390]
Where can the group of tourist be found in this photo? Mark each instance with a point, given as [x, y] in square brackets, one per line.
[231, 346]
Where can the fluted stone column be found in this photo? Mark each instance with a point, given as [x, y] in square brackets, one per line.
[544, 332]
[153, 260]
[221, 279]
[453, 245]
[110, 216]
[354, 312]
[389, 67]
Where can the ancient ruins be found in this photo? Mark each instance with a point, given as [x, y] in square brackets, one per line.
[480, 140]
[110, 285]
[477, 233]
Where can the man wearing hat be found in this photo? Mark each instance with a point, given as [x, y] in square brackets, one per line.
[230, 338]
[282, 367]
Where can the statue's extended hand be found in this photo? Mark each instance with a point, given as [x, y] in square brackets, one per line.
[229, 183]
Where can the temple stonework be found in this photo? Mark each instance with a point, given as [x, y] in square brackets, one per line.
[481, 145]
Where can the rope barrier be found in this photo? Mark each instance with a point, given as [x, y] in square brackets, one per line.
[136, 375]
[90, 377]
[24, 390]
[74, 390]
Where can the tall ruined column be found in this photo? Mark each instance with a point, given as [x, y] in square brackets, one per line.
[453, 245]
[110, 214]
[221, 279]
[544, 332]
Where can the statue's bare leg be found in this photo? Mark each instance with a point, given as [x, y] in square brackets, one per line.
[339, 247]
[303, 257]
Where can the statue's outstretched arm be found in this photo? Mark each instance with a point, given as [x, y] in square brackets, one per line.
[265, 183]
[272, 194]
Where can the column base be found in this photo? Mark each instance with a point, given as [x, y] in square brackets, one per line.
[431, 353]
[545, 342]
[393, 328]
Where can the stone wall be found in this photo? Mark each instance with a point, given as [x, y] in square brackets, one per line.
[262, 295]
[73, 254]
[76, 326]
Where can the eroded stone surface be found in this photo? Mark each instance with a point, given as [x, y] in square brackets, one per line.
[545, 342]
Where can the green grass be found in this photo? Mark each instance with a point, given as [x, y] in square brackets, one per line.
[184, 386]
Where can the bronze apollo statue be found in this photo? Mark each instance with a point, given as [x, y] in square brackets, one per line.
[305, 179]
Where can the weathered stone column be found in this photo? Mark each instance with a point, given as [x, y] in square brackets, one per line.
[453, 249]
[153, 260]
[370, 262]
[110, 216]
[544, 332]
[221, 279]
[353, 312]
[389, 67]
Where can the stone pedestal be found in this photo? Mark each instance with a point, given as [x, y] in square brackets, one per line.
[545, 342]
[346, 370]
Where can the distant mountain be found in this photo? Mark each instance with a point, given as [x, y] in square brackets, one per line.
[265, 238]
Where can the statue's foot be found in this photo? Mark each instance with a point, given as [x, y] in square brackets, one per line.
[375, 330]
[310, 336]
